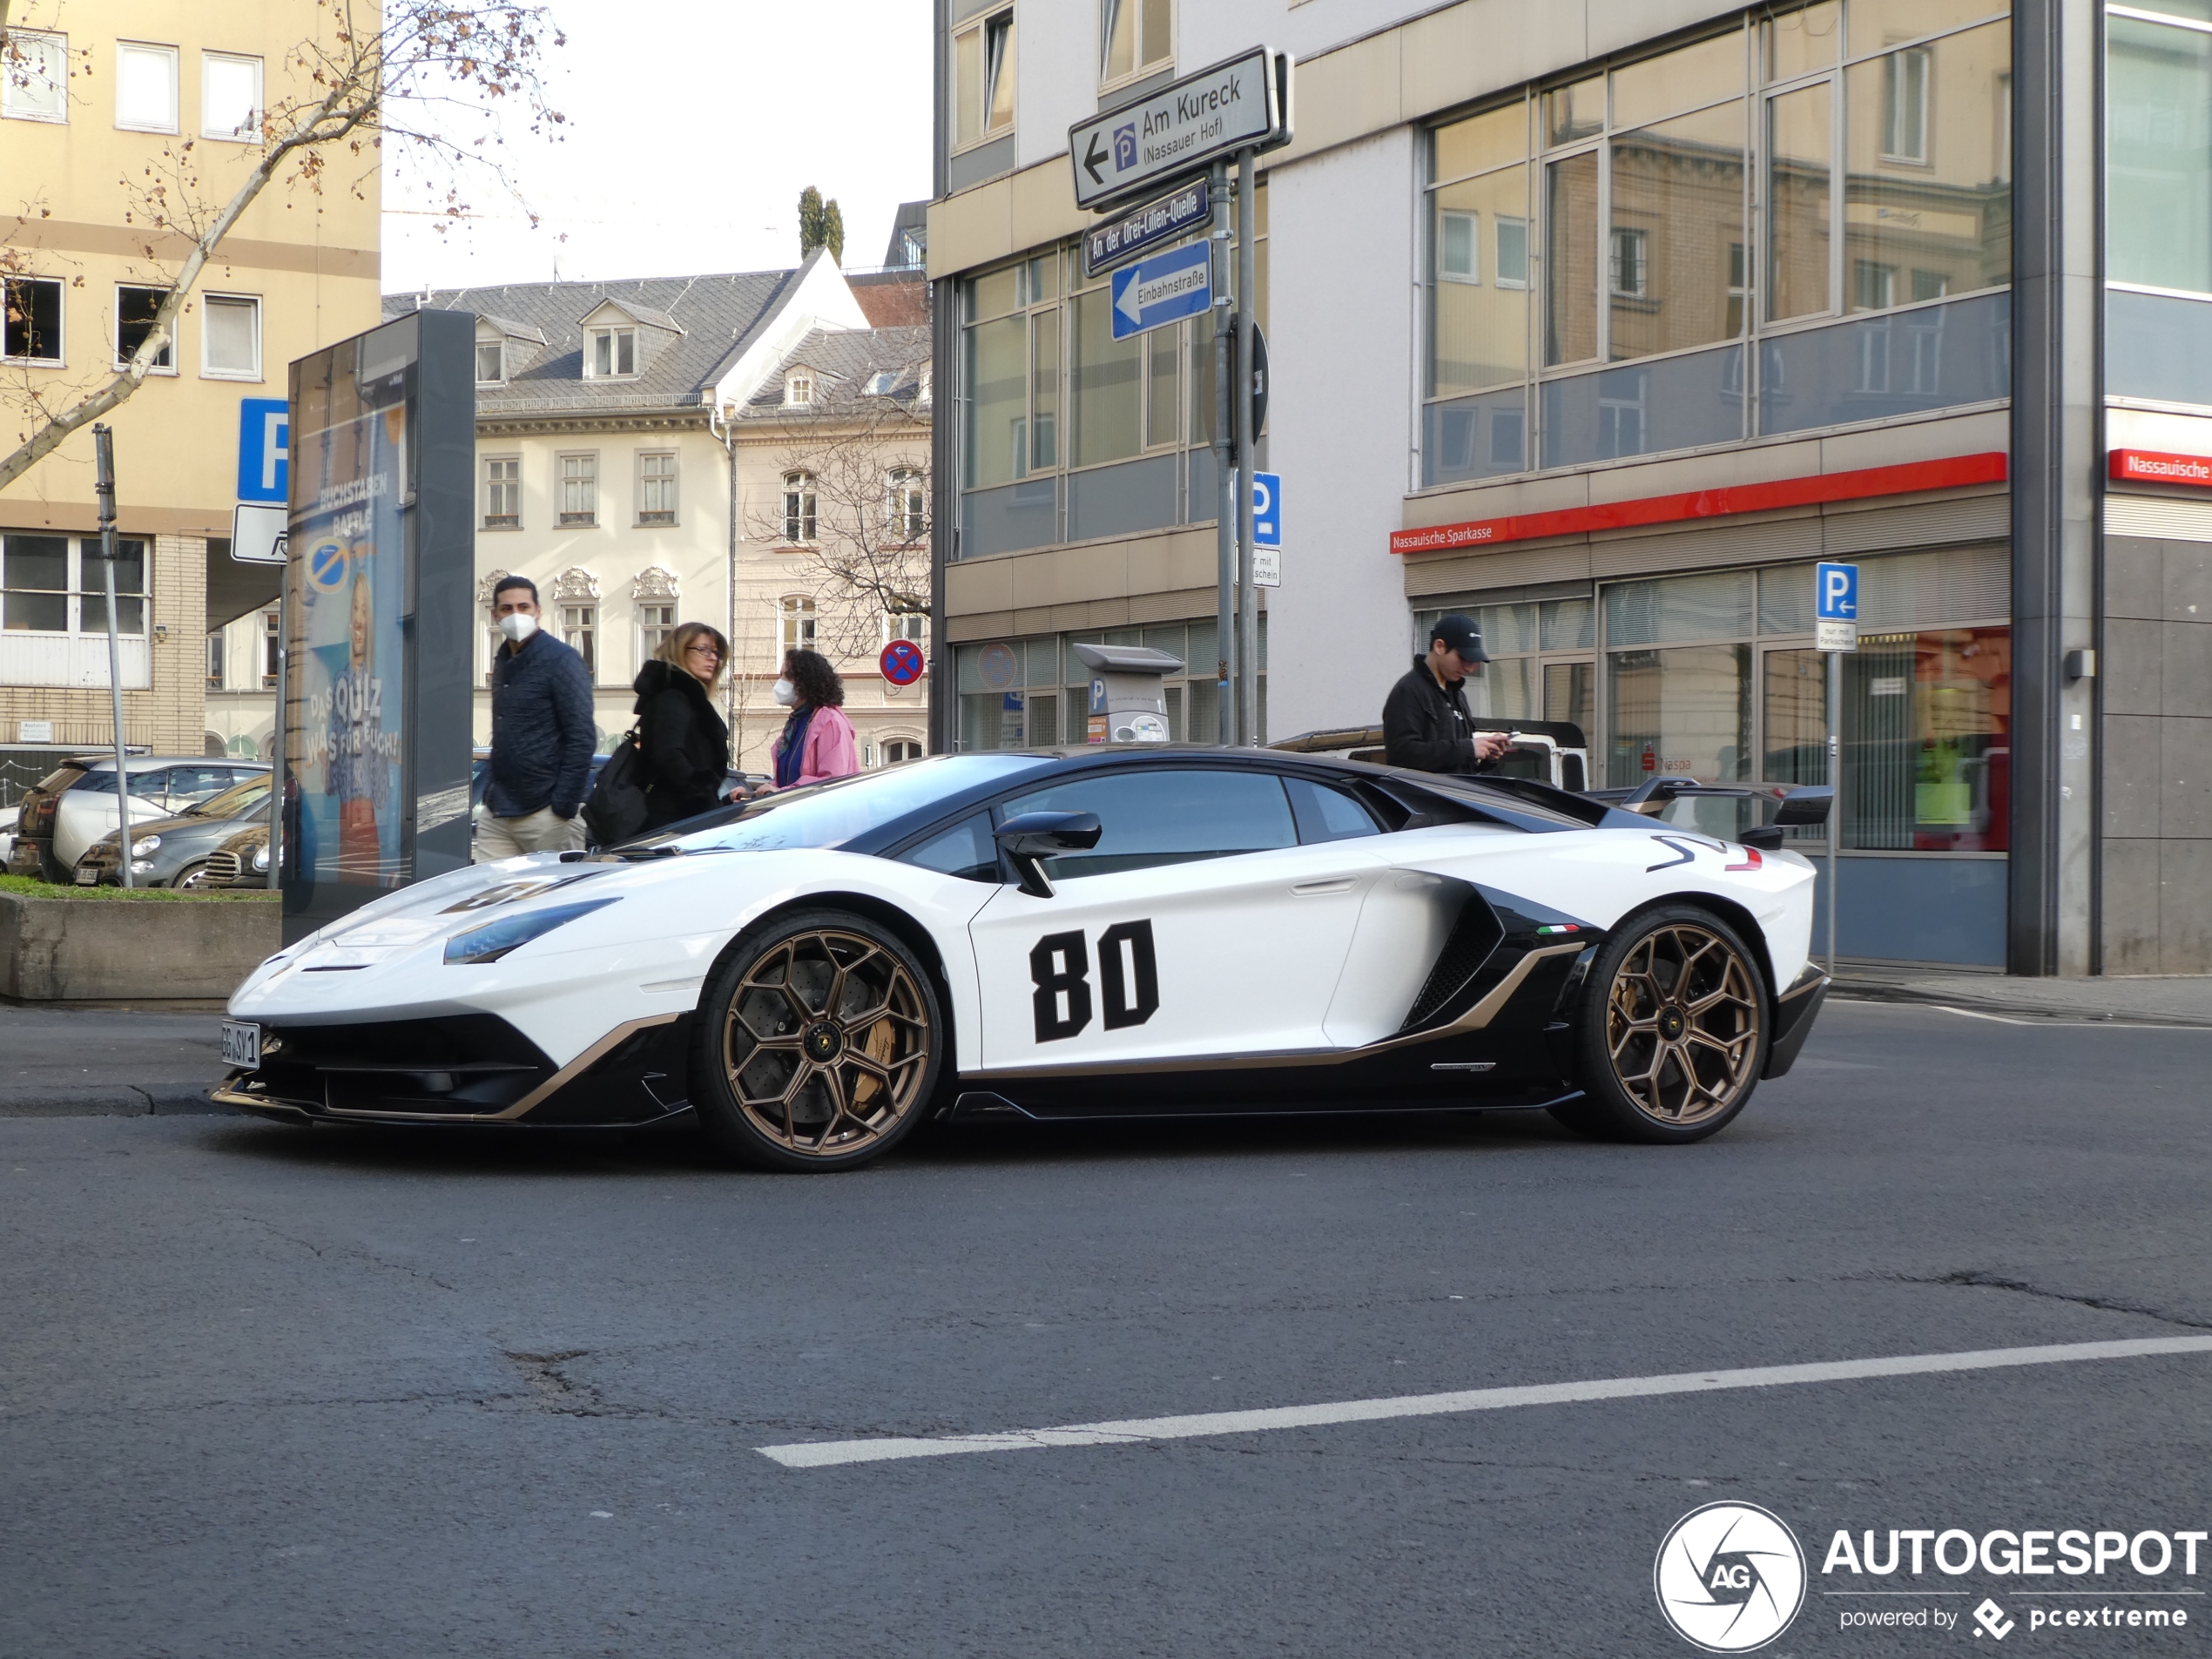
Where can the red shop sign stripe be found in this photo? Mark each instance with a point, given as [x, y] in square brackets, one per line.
[1950, 473]
[2153, 466]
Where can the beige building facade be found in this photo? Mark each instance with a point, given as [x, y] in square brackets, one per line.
[168, 95]
[671, 449]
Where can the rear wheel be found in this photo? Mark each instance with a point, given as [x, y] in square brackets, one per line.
[1674, 1030]
[817, 1044]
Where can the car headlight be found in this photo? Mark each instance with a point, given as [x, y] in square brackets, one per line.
[494, 940]
[261, 857]
[144, 844]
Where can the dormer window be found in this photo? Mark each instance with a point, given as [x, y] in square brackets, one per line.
[798, 389]
[613, 353]
[491, 362]
[882, 381]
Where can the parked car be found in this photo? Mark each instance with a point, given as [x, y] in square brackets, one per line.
[73, 805]
[7, 833]
[1550, 752]
[243, 860]
[173, 852]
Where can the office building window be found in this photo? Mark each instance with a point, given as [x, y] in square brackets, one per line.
[35, 83]
[1640, 183]
[1138, 38]
[799, 507]
[579, 484]
[230, 97]
[135, 309]
[145, 87]
[33, 320]
[983, 79]
[502, 492]
[230, 331]
[56, 585]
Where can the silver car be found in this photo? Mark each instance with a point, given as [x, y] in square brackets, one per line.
[173, 852]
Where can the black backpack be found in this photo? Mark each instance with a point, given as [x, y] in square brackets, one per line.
[616, 810]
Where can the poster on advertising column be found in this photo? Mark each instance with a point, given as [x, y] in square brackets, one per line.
[348, 644]
[374, 740]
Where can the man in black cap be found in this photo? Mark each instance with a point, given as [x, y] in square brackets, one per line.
[1426, 723]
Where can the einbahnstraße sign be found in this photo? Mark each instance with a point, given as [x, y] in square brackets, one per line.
[1175, 132]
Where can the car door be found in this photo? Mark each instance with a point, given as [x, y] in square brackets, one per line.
[1200, 925]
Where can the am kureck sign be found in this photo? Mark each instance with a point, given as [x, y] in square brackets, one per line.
[1239, 105]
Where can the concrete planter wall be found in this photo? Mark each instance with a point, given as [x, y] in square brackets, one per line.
[94, 950]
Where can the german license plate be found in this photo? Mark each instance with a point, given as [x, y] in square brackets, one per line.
[241, 1044]
[88, 875]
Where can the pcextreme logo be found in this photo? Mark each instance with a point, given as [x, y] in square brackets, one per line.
[1729, 1577]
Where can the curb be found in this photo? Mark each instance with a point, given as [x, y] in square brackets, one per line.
[109, 1099]
[1889, 991]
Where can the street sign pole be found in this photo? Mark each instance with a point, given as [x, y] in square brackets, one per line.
[103, 490]
[1224, 444]
[1835, 610]
[1835, 794]
[1247, 458]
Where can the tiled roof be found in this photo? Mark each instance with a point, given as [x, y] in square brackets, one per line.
[717, 316]
[846, 361]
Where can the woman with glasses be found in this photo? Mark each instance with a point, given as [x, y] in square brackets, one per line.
[685, 744]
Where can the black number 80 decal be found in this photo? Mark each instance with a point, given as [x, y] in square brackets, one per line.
[1129, 976]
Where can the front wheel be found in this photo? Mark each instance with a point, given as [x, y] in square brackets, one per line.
[817, 1044]
[194, 878]
[1674, 1030]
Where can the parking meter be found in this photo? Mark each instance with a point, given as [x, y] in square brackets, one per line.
[1127, 704]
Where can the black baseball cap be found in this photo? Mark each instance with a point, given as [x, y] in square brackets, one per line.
[1459, 633]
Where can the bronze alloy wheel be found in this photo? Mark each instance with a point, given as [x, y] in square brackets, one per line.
[825, 1044]
[1681, 1024]
[1674, 1030]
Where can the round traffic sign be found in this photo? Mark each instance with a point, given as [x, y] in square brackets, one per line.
[902, 662]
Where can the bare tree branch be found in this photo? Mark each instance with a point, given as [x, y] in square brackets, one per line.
[424, 54]
[868, 462]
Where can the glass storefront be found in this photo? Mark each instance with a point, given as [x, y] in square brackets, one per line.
[1713, 676]
[1613, 222]
[1015, 693]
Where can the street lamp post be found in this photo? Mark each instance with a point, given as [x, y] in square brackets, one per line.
[104, 488]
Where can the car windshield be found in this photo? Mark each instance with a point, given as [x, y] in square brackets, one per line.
[234, 802]
[833, 813]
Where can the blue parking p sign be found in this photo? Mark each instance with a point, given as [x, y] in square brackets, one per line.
[264, 449]
[1836, 593]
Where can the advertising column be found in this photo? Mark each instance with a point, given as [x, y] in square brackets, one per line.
[375, 730]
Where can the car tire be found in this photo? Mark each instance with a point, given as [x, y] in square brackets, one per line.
[817, 1044]
[1674, 1030]
[192, 877]
[51, 868]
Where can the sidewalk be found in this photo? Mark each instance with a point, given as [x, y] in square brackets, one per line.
[2167, 999]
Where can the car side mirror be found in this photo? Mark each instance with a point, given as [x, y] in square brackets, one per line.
[1030, 838]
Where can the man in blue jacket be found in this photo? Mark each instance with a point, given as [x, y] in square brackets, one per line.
[542, 734]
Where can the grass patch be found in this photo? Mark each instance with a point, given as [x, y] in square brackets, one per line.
[29, 886]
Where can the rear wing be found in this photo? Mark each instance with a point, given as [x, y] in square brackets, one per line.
[1796, 806]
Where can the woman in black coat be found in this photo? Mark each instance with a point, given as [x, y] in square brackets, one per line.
[685, 744]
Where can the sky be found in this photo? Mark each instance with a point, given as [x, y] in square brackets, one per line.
[692, 126]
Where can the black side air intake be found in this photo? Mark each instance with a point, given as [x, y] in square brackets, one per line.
[1473, 936]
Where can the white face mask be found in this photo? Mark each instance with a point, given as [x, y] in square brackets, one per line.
[787, 693]
[518, 625]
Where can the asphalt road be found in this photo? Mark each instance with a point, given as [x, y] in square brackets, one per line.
[334, 1393]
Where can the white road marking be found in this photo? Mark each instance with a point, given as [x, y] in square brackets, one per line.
[1137, 1430]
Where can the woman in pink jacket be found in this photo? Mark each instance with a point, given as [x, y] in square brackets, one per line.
[817, 742]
